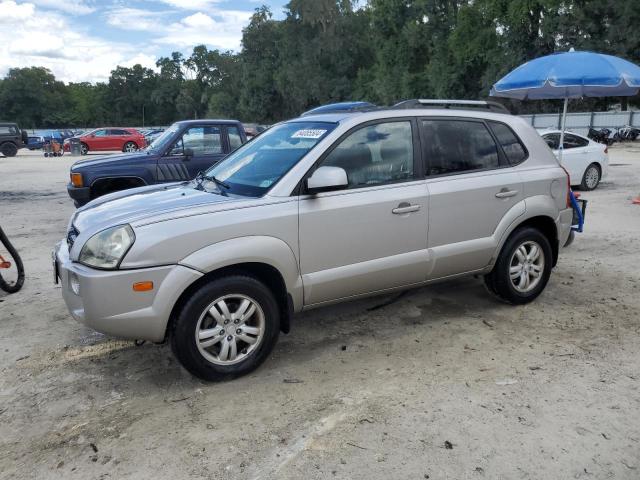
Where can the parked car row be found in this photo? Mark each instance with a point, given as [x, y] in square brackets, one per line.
[177, 154]
[108, 139]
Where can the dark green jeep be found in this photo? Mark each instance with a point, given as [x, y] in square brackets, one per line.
[11, 139]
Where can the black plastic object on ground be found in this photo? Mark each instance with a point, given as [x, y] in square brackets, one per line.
[11, 261]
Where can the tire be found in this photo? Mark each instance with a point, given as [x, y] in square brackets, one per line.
[17, 261]
[8, 149]
[84, 148]
[210, 362]
[130, 147]
[499, 281]
[591, 177]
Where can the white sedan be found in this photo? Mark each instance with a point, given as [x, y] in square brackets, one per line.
[586, 161]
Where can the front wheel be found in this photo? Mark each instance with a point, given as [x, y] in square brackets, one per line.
[84, 149]
[523, 267]
[227, 328]
[591, 178]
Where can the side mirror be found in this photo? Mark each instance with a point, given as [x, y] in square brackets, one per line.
[188, 153]
[326, 179]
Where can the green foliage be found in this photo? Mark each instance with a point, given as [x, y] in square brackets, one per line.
[326, 51]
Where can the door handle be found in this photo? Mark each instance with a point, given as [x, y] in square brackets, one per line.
[504, 193]
[405, 207]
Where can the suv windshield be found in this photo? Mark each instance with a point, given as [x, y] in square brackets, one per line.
[258, 165]
[163, 139]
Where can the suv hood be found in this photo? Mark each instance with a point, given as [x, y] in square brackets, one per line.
[105, 159]
[136, 204]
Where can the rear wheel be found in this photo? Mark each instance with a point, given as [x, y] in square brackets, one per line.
[227, 328]
[9, 149]
[591, 177]
[523, 267]
[130, 147]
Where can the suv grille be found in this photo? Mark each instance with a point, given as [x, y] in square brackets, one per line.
[72, 234]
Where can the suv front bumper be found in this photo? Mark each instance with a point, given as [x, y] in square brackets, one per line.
[105, 300]
[79, 195]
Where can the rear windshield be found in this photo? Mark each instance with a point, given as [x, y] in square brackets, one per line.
[258, 165]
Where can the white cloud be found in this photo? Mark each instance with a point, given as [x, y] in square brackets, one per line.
[50, 40]
[11, 11]
[75, 7]
[222, 29]
[127, 18]
[191, 4]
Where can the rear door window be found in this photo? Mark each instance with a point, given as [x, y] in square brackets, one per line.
[511, 145]
[458, 146]
[573, 141]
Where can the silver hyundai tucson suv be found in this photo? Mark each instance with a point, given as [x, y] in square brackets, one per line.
[317, 210]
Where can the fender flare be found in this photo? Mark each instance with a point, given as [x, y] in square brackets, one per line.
[267, 250]
[537, 206]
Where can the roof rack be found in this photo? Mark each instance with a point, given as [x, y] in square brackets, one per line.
[453, 104]
[341, 107]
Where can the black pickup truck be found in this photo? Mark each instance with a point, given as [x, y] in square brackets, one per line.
[183, 150]
[12, 139]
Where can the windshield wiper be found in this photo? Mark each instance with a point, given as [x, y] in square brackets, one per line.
[201, 177]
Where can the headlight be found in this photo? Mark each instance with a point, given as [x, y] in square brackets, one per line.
[107, 248]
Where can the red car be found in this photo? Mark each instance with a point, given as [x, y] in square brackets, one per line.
[102, 139]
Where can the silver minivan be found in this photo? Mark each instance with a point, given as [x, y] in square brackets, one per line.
[317, 210]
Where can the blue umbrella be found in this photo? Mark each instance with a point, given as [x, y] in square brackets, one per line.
[570, 75]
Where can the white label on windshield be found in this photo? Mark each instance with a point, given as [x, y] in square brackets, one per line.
[309, 133]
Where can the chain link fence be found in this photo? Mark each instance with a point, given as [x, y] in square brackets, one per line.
[581, 122]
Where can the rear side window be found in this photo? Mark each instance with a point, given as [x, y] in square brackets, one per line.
[573, 141]
[511, 145]
[8, 130]
[457, 146]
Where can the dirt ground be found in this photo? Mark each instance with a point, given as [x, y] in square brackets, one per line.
[442, 383]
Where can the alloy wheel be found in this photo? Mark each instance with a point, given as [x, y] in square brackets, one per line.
[592, 177]
[230, 329]
[526, 266]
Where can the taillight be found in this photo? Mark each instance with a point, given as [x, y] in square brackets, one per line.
[606, 149]
[568, 187]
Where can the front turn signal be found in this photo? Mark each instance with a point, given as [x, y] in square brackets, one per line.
[142, 286]
[76, 180]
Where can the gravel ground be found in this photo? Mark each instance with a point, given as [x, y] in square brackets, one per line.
[442, 383]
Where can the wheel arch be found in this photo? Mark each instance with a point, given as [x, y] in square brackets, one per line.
[269, 259]
[542, 222]
[264, 272]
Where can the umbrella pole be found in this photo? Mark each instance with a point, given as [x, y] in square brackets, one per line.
[564, 123]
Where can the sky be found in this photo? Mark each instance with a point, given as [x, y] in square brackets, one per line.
[83, 40]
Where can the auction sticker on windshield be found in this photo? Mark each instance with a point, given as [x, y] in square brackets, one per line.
[309, 133]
